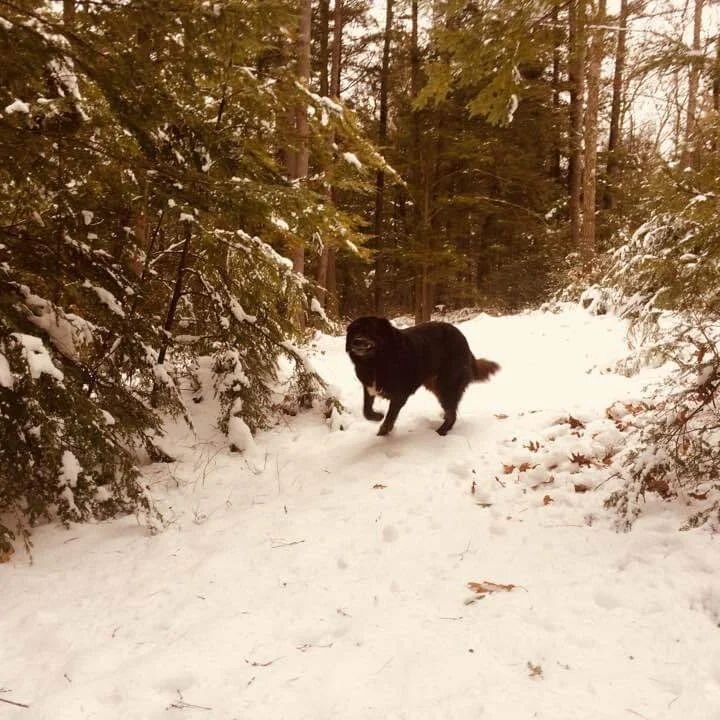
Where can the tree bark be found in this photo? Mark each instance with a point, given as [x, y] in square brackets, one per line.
[324, 12]
[556, 70]
[302, 155]
[177, 292]
[576, 78]
[327, 275]
[379, 284]
[588, 243]
[716, 94]
[611, 167]
[324, 90]
[716, 78]
[332, 305]
[427, 288]
[419, 171]
[687, 156]
[69, 12]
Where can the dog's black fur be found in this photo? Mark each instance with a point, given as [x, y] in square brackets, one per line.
[394, 363]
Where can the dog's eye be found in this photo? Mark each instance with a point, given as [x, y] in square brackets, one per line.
[361, 344]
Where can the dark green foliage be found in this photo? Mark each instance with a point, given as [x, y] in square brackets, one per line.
[142, 194]
[668, 272]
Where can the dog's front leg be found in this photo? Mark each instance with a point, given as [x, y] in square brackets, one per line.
[368, 411]
[396, 404]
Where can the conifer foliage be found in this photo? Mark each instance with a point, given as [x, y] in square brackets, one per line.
[143, 199]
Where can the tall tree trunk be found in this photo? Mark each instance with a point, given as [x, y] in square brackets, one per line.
[324, 12]
[379, 285]
[588, 243]
[616, 107]
[687, 156]
[302, 155]
[576, 78]
[324, 89]
[556, 70]
[327, 276]
[716, 78]
[177, 292]
[335, 74]
[716, 94]
[418, 173]
[69, 12]
[174, 300]
[427, 287]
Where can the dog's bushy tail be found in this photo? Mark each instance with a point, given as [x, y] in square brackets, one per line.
[483, 369]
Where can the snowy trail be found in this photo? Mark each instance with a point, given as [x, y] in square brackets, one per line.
[304, 591]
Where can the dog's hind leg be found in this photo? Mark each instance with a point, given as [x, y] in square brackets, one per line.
[450, 391]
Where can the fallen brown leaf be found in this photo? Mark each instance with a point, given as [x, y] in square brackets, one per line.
[547, 500]
[536, 671]
[580, 459]
[635, 408]
[507, 469]
[501, 416]
[485, 587]
[524, 467]
[661, 487]
[581, 488]
[575, 423]
[379, 486]
[607, 460]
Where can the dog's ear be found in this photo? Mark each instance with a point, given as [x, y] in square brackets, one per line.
[388, 334]
[386, 327]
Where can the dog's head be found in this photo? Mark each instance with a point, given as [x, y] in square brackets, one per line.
[367, 337]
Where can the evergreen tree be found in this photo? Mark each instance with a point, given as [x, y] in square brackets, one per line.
[142, 201]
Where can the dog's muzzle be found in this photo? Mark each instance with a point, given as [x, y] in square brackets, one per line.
[361, 346]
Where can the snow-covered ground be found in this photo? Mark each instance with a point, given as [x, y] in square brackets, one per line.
[325, 576]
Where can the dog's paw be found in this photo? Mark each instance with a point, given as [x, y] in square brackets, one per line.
[442, 430]
[384, 430]
[374, 416]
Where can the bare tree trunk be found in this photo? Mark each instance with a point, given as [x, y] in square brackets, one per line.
[716, 78]
[576, 78]
[557, 38]
[420, 208]
[324, 89]
[335, 73]
[177, 292]
[379, 285]
[69, 12]
[696, 60]
[324, 12]
[716, 93]
[326, 270]
[302, 155]
[427, 289]
[616, 107]
[588, 244]
[336, 58]
[174, 300]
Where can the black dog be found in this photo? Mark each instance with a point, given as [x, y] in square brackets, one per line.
[394, 363]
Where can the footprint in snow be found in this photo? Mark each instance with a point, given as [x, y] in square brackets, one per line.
[607, 600]
[389, 533]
